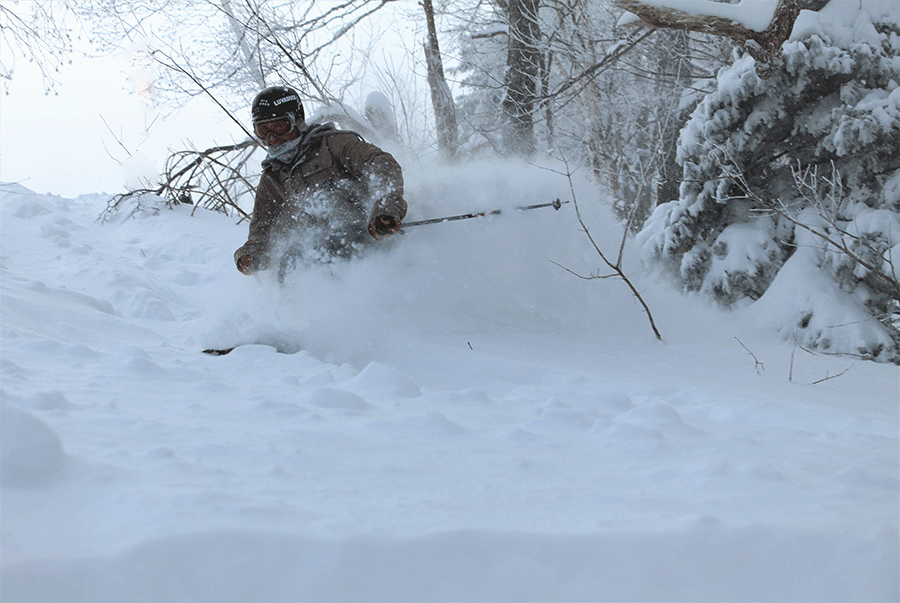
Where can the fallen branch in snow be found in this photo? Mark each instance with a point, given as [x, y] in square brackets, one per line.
[759, 365]
[827, 377]
[211, 179]
[764, 46]
[215, 175]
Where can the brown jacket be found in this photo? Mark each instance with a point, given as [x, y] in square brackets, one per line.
[325, 199]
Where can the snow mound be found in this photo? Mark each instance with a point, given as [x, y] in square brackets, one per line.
[31, 453]
[809, 309]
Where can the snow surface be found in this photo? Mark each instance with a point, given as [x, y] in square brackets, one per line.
[451, 418]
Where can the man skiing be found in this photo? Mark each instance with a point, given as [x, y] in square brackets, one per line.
[323, 194]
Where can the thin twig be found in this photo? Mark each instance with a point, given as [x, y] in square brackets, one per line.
[891, 281]
[616, 268]
[589, 277]
[791, 372]
[826, 378]
[759, 365]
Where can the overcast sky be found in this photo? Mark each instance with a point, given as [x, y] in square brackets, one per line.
[98, 130]
[59, 143]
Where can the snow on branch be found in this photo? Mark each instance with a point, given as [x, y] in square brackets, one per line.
[762, 26]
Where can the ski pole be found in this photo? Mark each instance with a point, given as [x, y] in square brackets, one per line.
[555, 205]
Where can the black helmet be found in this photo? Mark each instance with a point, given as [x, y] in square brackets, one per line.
[275, 102]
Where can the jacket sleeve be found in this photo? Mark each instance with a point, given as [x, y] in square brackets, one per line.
[375, 168]
[267, 206]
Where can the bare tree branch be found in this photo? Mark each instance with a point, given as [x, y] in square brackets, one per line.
[38, 33]
[890, 282]
[217, 182]
[607, 61]
[616, 267]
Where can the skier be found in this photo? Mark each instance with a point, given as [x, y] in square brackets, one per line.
[323, 194]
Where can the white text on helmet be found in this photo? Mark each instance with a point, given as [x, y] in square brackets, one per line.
[285, 99]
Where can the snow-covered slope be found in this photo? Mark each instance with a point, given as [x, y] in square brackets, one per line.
[453, 418]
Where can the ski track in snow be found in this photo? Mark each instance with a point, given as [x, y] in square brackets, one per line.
[453, 418]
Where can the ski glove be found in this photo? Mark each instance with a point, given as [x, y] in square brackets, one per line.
[245, 264]
[384, 226]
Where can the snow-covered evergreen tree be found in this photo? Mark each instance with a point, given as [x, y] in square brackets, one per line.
[803, 167]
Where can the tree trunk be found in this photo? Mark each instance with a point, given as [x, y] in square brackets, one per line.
[522, 68]
[441, 98]
[671, 60]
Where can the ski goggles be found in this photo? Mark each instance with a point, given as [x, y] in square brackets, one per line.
[274, 127]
